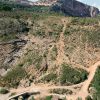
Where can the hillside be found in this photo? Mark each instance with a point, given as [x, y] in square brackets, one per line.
[48, 56]
[70, 7]
[75, 8]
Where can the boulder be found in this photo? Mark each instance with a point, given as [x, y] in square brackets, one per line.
[20, 98]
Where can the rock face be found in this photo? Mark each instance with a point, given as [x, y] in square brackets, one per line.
[45, 2]
[74, 8]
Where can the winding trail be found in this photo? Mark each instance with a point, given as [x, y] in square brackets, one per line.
[44, 88]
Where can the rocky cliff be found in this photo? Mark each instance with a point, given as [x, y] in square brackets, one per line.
[74, 8]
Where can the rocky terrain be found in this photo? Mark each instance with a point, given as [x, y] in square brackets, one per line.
[75, 8]
[49, 56]
[45, 2]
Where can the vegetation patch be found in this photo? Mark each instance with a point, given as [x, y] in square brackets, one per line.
[88, 98]
[48, 98]
[7, 37]
[3, 91]
[84, 21]
[13, 77]
[96, 84]
[61, 91]
[93, 37]
[33, 57]
[70, 75]
[49, 27]
[50, 77]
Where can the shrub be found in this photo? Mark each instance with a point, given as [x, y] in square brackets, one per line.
[61, 91]
[3, 91]
[48, 98]
[88, 98]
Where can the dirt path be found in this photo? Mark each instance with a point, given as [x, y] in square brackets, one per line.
[60, 45]
[87, 83]
[61, 58]
[44, 88]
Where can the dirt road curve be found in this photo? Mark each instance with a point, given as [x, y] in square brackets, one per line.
[84, 90]
[43, 89]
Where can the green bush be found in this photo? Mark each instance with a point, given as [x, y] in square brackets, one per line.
[48, 98]
[5, 7]
[3, 91]
[70, 75]
[88, 98]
